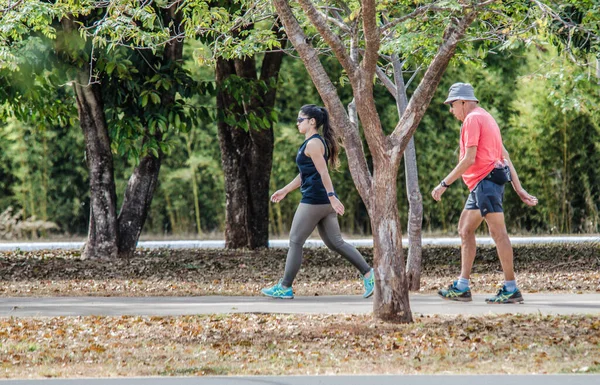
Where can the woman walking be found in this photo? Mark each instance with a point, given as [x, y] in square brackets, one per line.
[319, 206]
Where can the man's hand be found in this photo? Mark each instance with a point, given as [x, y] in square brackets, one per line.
[437, 192]
[527, 198]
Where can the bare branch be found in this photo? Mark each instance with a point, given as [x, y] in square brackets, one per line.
[10, 7]
[419, 11]
[484, 3]
[413, 76]
[335, 20]
[372, 37]
[568, 24]
[381, 75]
[320, 23]
[429, 8]
[424, 93]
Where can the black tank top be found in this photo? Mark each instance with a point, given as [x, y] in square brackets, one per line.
[312, 189]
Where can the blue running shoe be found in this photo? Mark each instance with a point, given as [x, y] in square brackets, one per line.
[505, 296]
[369, 284]
[453, 294]
[279, 291]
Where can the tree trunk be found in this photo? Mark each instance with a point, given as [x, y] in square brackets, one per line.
[415, 218]
[415, 200]
[102, 239]
[247, 156]
[136, 203]
[233, 144]
[102, 235]
[391, 301]
[143, 181]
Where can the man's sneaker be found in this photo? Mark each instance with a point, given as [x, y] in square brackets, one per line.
[279, 291]
[453, 294]
[369, 284]
[505, 296]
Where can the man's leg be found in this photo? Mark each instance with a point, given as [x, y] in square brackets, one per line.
[470, 219]
[495, 222]
[467, 225]
[509, 292]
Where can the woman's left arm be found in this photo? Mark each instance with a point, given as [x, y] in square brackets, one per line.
[315, 150]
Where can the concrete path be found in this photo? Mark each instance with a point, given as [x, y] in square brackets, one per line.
[580, 379]
[284, 243]
[162, 306]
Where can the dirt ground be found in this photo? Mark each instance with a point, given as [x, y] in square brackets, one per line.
[224, 272]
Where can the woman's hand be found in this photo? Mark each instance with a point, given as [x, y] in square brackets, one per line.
[278, 195]
[527, 198]
[337, 205]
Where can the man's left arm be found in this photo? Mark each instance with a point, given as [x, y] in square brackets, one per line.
[527, 198]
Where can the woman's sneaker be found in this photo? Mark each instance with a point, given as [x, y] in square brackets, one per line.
[369, 284]
[279, 291]
[505, 296]
[453, 294]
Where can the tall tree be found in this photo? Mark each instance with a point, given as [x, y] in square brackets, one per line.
[127, 100]
[115, 233]
[245, 101]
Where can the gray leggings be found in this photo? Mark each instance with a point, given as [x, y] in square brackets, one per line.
[324, 217]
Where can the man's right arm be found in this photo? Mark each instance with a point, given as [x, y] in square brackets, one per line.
[460, 169]
[462, 166]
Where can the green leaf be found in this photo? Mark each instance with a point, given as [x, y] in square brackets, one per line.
[155, 98]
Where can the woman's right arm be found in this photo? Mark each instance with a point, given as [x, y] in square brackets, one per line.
[280, 194]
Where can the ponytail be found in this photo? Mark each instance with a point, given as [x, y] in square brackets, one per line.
[321, 116]
[329, 136]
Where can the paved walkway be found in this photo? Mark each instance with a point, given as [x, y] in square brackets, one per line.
[284, 243]
[163, 306]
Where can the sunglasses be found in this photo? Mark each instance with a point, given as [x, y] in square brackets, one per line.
[300, 120]
[452, 104]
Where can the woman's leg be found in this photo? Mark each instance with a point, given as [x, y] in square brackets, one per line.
[329, 230]
[305, 220]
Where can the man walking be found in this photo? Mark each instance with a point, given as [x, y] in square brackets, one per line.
[485, 166]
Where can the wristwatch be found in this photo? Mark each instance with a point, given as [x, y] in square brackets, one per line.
[330, 194]
[443, 184]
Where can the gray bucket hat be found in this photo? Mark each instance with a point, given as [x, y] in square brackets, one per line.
[461, 91]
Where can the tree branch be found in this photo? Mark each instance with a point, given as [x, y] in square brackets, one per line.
[337, 21]
[484, 3]
[372, 39]
[387, 82]
[318, 20]
[419, 11]
[10, 7]
[412, 77]
[424, 93]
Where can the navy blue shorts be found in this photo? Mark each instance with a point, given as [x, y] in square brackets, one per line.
[486, 197]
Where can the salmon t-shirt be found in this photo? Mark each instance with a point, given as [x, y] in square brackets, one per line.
[480, 129]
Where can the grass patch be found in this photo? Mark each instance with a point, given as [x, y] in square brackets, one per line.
[271, 344]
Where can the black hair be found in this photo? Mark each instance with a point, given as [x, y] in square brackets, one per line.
[321, 116]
